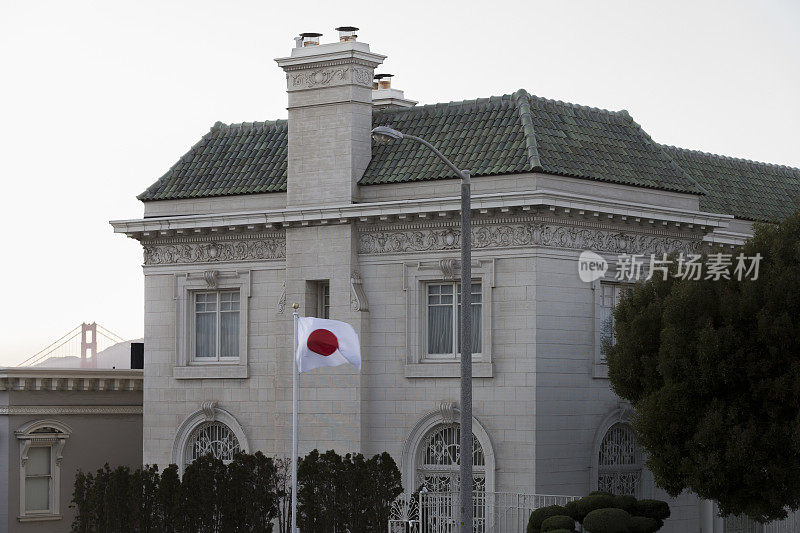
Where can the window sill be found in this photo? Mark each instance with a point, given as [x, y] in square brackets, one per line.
[208, 371]
[451, 369]
[39, 518]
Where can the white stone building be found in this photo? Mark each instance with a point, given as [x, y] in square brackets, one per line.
[259, 215]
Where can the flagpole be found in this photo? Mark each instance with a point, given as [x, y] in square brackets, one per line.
[294, 422]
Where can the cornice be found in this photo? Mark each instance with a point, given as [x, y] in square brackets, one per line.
[70, 410]
[539, 201]
[66, 379]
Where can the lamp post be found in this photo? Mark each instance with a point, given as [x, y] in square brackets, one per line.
[384, 135]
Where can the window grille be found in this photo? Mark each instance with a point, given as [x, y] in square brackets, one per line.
[620, 462]
[214, 438]
[440, 457]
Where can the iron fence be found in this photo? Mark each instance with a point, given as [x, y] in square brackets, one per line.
[494, 512]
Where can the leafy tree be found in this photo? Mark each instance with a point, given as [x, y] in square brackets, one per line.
[713, 371]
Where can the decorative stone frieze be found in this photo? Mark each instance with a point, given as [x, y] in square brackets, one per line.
[519, 233]
[245, 248]
[330, 76]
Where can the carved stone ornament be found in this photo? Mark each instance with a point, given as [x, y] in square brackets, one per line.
[209, 408]
[521, 234]
[449, 268]
[211, 277]
[447, 410]
[281, 307]
[215, 252]
[358, 298]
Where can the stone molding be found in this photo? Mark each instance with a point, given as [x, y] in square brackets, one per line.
[70, 410]
[257, 247]
[519, 233]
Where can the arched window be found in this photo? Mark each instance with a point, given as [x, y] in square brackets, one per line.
[41, 444]
[209, 430]
[619, 462]
[439, 457]
[213, 438]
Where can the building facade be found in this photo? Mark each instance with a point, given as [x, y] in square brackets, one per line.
[258, 216]
[54, 422]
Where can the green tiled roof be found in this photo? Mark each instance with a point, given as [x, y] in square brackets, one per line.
[245, 158]
[522, 133]
[508, 134]
[743, 188]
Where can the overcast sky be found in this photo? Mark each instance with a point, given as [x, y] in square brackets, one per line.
[99, 99]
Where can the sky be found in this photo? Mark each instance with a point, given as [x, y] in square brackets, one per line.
[99, 99]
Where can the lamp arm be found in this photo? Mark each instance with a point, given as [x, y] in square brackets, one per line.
[464, 175]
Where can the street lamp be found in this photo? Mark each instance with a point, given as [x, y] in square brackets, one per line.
[385, 135]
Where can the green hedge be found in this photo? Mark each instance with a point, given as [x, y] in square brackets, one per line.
[342, 493]
[655, 509]
[578, 509]
[557, 522]
[643, 524]
[607, 521]
[538, 516]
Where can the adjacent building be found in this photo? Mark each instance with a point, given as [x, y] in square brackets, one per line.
[258, 216]
[54, 422]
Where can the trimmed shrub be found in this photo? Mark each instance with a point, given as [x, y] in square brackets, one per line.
[540, 515]
[578, 509]
[655, 509]
[626, 503]
[644, 524]
[558, 522]
[600, 493]
[607, 521]
[562, 531]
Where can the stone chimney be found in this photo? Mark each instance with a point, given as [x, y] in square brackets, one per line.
[330, 118]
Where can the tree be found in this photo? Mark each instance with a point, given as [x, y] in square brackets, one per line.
[713, 371]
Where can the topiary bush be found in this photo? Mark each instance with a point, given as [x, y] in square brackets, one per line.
[554, 523]
[578, 509]
[643, 524]
[608, 520]
[655, 509]
[541, 514]
[626, 503]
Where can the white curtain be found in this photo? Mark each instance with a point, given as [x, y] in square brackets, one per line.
[440, 329]
[205, 324]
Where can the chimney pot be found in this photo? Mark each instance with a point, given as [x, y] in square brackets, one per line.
[347, 33]
[310, 38]
[384, 81]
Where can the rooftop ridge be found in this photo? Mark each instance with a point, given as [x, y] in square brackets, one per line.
[522, 100]
[731, 158]
[666, 155]
[218, 125]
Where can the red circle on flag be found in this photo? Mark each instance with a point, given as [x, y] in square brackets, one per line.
[322, 342]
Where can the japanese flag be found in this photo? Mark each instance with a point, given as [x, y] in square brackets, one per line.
[322, 342]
